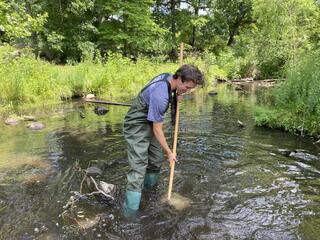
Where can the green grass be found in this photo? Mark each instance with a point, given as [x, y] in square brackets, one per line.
[296, 104]
[25, 80]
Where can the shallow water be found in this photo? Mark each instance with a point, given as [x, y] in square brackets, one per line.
[239, 184]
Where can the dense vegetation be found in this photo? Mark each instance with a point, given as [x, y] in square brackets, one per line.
[51, 50]
[296, 105]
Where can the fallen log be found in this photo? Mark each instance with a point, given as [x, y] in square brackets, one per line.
[107, 102]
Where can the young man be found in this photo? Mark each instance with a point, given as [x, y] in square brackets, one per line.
[144, 134]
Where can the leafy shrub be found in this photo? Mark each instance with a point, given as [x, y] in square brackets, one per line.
[296, 100]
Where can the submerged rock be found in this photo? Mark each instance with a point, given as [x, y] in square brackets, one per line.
[303, 156]
[93, 171]
[101, 110]
[285, 152]
[220, 80]
[241, 124]
[239, 88]
[299, 154]
[35, 126]
[90, 96]
[29, 118]
[81, 114]
[212, 93]
[12, 121]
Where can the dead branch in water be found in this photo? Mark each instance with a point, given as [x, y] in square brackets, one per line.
[99, 190]
[107, 102]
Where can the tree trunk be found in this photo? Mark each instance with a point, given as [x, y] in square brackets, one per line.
[173, 55]
[194, 28]
[235, 28]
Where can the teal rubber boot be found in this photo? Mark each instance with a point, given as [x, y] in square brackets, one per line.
[131, 204]
[151, 179]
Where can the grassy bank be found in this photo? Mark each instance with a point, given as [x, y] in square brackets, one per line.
[26, 80]
[296, 105]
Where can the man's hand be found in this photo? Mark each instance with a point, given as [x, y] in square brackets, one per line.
[172, 158]
[158, 133]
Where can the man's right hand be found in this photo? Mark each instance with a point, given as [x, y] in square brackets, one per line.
[158, 133]
[172, 158]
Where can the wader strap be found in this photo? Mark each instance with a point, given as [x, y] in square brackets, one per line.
[166, 75]
[174, 108]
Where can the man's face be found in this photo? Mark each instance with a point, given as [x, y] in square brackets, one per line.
[184, 87]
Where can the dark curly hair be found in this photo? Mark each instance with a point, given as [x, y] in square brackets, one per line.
[189, 72]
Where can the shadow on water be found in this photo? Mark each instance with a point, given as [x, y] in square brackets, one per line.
[239, 183]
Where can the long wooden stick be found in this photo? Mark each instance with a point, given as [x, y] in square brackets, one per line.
[174, 150]
[175, 137]
[107, 102]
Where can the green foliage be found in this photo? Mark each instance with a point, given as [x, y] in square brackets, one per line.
[236, 66]
[247, 35]
[209, 64]
[16, 22]
[129, 28]
[24, 79]
[233, 17]
[79, 30]
[282, 31]
[69, 31]
[265, 117]
[300, 93]
[296, 100]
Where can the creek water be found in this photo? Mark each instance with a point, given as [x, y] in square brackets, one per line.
[239, 183]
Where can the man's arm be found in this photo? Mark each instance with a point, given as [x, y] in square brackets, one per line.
[158, 133]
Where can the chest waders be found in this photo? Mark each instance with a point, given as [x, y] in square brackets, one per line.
[145, 154]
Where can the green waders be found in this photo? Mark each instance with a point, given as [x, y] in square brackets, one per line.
[145, 154]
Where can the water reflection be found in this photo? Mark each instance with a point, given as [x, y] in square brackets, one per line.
[240, 185]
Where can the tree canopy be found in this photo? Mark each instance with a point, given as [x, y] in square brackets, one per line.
[268, 34]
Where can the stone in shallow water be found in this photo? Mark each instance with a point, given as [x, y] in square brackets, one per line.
[35, 126]
[101, 110]
[90, 96]
[230, 154]
[29, 118]
[303, 156]
[81, 114]
[241, 124]
[285, 152]
[212, 93]
[93, 171]
[12, 121]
